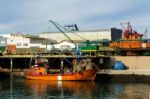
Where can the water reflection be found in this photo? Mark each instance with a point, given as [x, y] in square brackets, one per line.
[20, 88]
[65, 89]
[124, 90]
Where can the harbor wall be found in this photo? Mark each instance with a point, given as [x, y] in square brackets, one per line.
[138, 69]
[134, 62]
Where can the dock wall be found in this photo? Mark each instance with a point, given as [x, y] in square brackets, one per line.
[135, 62]
[138, 69]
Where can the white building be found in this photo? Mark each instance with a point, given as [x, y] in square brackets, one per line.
[110, 34]
[27, 42]
[19, 40]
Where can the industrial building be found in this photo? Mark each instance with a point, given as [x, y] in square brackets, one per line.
[111, 34]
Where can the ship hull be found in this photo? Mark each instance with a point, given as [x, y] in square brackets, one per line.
[78, 76]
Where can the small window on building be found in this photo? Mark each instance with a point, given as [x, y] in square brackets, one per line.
[25, 44]
[19, 44]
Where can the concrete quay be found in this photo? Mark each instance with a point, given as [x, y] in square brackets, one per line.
[134, 62]
[138, 66]
[138, 69]
[124, 72]
[123, 75]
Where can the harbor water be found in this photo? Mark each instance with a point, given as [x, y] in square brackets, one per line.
[21, 88]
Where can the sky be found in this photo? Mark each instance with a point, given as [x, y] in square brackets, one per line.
[32, 16]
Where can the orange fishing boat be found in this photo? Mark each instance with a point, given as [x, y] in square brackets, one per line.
[79, 71]
[39, 73]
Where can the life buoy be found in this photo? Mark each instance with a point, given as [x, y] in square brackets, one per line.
[74, 62]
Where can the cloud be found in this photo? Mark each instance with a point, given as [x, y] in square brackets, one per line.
[32, 16]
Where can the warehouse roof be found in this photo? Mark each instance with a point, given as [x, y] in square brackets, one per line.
[101, 30]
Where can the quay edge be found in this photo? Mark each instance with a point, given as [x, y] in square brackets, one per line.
[139, 68]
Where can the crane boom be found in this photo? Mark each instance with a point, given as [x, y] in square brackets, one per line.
[80, 36]
[56, 25]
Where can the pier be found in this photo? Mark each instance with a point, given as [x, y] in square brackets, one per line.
[137, 69]
[18, 64]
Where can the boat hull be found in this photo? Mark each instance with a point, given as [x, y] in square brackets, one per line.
[78, 76]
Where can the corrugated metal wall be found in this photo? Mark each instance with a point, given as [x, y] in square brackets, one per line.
[89, 35]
